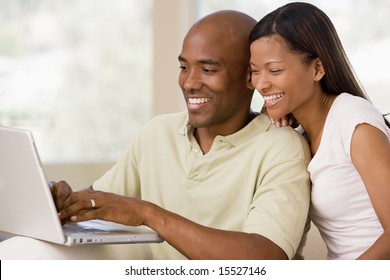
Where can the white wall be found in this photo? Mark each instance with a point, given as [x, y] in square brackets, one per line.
[172, 19]
[78, 175]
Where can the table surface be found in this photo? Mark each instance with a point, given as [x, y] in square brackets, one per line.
[25, 248]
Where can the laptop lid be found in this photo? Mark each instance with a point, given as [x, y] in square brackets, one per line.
[26, 204]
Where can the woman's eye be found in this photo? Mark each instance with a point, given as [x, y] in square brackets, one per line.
[275, 71]
[255, 72]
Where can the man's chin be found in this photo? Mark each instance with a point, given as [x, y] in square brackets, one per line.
[197, 123]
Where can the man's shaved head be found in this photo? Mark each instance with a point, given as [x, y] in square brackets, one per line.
[228, 28]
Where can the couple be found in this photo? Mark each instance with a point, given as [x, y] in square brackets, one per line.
[222, 182]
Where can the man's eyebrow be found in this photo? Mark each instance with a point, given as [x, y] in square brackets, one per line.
[182, 58]
[207, 61]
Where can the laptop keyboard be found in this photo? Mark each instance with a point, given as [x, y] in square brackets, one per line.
[77, 228]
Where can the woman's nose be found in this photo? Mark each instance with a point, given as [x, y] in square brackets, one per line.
[261, 83]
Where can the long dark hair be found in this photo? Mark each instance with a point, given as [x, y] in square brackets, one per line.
[309, 31]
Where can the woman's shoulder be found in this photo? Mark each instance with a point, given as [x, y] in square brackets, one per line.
[347, 106]
[346, 100]
[348, 111]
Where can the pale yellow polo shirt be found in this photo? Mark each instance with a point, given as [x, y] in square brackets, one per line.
[254, 180]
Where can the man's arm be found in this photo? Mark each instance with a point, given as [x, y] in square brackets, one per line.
[192, 240]
[199, 242]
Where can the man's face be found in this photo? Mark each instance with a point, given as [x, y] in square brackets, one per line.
[213, 78]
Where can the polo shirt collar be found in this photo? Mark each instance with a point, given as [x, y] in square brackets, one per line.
[258, 125]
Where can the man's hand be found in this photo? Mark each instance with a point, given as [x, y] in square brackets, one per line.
[62, 194]
[89, 205]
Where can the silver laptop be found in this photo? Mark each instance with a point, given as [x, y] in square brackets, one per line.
[27, 207]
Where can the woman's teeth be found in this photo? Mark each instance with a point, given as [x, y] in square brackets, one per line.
[273, 98]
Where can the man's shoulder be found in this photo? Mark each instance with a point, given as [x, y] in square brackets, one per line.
[170, 117]
[287, 139]
[284, 132]
[174, 120]
[164, 124]
[261, 126]
[164, 127]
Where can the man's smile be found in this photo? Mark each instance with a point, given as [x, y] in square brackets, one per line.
[198, 100]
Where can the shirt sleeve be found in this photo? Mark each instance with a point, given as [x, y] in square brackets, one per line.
[354, 112]
[123, 177]
[280, 205]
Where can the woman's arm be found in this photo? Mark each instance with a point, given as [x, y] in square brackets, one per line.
[370, 153]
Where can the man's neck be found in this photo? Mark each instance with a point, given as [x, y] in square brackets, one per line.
[205, 136]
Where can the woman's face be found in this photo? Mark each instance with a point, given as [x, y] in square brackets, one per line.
[286, 83]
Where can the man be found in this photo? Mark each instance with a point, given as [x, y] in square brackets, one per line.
[217, 181]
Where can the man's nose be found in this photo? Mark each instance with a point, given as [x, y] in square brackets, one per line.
[192, 81]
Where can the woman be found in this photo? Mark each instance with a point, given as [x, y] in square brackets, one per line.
[299, 66]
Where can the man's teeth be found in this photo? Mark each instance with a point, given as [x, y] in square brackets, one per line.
[198, 100]
[273, 98]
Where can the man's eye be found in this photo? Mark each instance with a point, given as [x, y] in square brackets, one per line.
[183, 68]
[208, 70]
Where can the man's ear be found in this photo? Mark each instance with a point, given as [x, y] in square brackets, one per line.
[319, 70]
